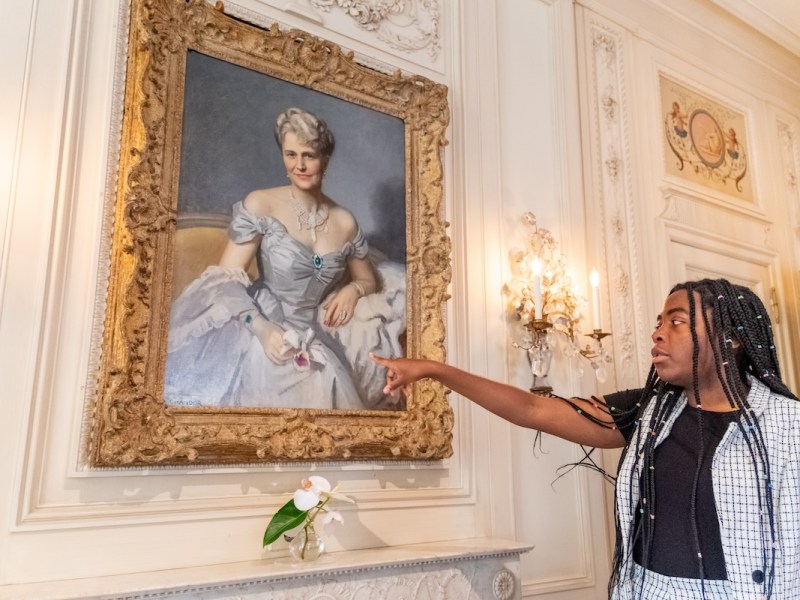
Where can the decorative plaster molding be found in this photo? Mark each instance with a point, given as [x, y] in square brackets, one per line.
[405, 25]
[605, 46]
[693, 221]
[299, 8]
[609, 104]
[504, 585]
[670, 212]
[612, 164]
[790, 155]
[789, 152]
[621, 282]
[702, 213]
[612, 169]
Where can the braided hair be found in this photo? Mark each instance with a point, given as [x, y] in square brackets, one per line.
[730, 313]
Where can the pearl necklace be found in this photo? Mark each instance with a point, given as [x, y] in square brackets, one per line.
[314, 221]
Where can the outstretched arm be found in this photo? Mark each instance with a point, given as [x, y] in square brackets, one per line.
[549, 415]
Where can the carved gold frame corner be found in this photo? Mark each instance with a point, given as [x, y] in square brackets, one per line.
[130, 423]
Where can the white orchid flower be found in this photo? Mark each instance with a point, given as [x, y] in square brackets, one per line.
[316, 489]
[310, 494]
[328, 518]
[334, 494]
[332, 516]
[305, 349]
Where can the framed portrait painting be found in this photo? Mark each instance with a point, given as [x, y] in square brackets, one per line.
[240, 319]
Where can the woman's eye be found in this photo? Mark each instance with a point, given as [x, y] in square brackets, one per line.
[673, 322]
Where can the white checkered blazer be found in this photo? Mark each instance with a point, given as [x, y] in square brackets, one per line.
[744, 527]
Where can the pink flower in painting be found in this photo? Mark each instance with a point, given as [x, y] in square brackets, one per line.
[304, 349]
[302, 362]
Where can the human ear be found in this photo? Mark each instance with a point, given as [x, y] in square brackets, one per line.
[731, 339]
[735, 344]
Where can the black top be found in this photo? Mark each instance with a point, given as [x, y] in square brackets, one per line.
[674, 551]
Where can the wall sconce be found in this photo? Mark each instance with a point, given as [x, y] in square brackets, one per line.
[542, 298]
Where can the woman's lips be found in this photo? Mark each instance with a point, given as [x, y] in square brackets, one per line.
[658, 355]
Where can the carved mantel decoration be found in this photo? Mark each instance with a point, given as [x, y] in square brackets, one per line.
[128, 422]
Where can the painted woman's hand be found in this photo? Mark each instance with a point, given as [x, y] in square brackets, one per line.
[340, 306]
[271, 337]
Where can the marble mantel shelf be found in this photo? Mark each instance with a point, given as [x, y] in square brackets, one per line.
[474, 568]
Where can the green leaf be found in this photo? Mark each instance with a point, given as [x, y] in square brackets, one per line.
[288, 517]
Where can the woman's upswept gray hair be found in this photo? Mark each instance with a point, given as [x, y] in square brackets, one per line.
[308, 127]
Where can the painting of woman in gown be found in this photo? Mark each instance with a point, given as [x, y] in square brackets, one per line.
[298, 334]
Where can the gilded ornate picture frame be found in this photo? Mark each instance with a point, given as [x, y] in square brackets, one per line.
[131, 424]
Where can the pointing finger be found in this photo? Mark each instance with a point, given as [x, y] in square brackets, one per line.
[379, 359]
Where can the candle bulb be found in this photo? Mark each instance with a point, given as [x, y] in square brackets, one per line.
[537, 287]
[594, 280]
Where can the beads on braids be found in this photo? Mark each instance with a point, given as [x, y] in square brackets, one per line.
[742, 342]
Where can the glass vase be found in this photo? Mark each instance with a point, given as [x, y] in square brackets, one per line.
[306, 546]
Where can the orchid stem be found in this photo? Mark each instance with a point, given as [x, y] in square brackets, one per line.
[310, 524]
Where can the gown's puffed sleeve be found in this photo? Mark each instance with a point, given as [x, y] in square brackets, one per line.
[358, 247]
[245, 225]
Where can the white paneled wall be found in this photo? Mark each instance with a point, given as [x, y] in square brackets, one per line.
[528, 82]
